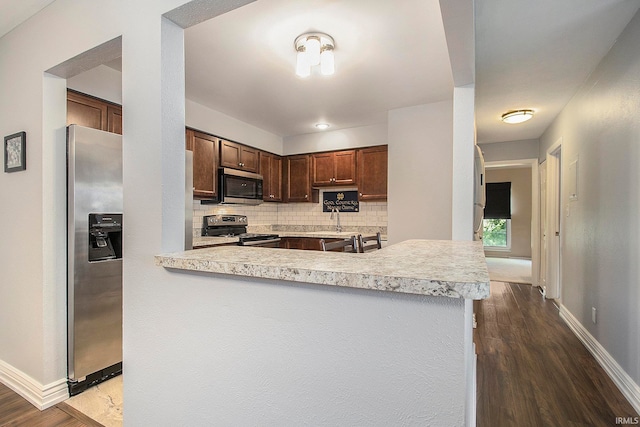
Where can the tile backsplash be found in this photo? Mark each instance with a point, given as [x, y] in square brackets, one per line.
[371, 214]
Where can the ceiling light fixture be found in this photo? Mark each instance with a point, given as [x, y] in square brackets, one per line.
[322, 126]
[517, 116]
[314, 49]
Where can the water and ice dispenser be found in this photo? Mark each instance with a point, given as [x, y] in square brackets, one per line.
[105, 236]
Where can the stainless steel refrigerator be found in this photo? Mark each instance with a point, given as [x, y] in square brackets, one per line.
[94, 243]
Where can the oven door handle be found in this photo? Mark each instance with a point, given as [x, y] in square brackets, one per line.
[260, 242]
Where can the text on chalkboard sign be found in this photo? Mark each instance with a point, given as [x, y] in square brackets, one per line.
[344, 201]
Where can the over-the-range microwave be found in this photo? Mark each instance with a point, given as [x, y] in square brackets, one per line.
[239, 187]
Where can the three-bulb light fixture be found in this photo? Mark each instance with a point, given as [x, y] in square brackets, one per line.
[314, 49]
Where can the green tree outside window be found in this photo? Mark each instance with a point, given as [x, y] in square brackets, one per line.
[495, 233]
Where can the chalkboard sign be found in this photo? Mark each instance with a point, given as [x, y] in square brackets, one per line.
[345, 201]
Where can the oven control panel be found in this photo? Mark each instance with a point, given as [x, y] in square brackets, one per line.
[225, 220]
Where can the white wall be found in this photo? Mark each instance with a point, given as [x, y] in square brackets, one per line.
[512, 150]
[106, 83]
[182, 342]
[463, 153]
[33, 287]
[256, 352]
[420, 172]
[343, 139]
[102, 82]
[601, 230]
[214, 122]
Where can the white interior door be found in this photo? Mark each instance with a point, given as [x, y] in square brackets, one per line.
[554, 225]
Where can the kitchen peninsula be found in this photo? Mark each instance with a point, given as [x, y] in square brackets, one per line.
[308, 335]
[424, 267]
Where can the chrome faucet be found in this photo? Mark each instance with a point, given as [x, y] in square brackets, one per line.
[337, 211]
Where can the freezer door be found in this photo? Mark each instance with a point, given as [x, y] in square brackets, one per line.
[94, 288]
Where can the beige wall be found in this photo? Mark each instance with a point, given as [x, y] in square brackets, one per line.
[520, 179]
[600, 229]
[420, 172]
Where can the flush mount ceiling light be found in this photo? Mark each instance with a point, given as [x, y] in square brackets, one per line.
[322, 126]
[517, 116]
[314, 49]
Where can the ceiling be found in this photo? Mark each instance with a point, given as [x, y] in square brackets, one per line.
[389, 55]
[535, 55]
[15, 12]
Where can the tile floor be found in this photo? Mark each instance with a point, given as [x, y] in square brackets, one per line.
[102, 402]
[513, 270]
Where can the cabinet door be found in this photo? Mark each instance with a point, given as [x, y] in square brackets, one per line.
[322, 169]
[248, 159]
[292, 243]
[205, 178]
[265, 170]
[345, 167]
[229, 154]
[275, 182]
[313, 244]
[86, 111]
[238, 156]
[271, 170]
[372, 173]
[298, 187]
[114, 119]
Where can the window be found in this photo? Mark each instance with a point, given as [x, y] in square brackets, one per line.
[496, 233]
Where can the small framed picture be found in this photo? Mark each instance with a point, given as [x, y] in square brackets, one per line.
[15, 152]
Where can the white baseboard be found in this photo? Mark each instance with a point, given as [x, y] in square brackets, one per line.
[622, 380]
[39, 395]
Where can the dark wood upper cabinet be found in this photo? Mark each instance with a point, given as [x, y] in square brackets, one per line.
[271, 171]
[298, 179]
[322, 169]
[345, 164]
[205, 177]
[86, 111]
[114, 119]
[334, 168]
[372, 173]
[238, 156]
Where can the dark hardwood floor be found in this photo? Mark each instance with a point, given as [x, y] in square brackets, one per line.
[533, 371]
[17, 412]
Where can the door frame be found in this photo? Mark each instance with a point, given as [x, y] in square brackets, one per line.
[535, 209]
[542, 185]
[554, 223]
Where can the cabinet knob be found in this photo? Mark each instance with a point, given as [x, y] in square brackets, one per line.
[306, 196]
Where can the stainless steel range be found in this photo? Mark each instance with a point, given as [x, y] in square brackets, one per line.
[236, 226]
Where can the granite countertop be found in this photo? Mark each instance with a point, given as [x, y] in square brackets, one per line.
[445, 268]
